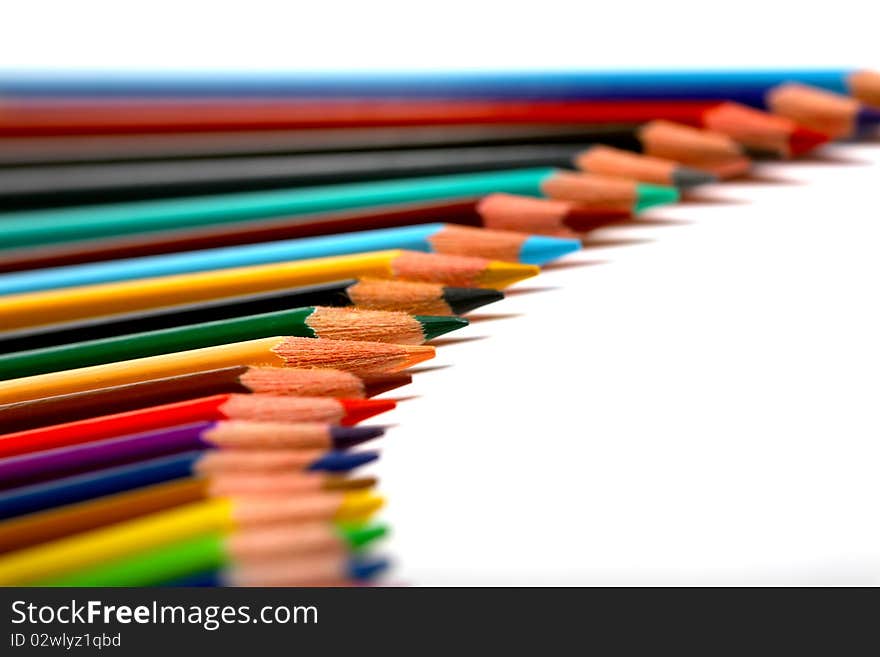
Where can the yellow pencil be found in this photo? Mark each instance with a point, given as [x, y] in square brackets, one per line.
[224, 514]
[49, 307]
[362, 358]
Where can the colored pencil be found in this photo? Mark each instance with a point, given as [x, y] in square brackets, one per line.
[38, 227]
[217, 551]
[208, 87]
[65, 117]
[413, 298]
[285, 445]
[327, 323]
[145, 147]
[462, 211]
[148, 532]
[308, 160]
[57, 522]
[255, 408]
[98, 483]
[35, 187]
[154, 392]
[361, 358]
[54, 306]
[312, 438]
[429, 238]
[824, 111]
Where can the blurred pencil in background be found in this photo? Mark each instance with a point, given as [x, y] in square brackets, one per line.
[34, 528]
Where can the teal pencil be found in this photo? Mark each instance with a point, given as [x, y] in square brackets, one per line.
[38, 227]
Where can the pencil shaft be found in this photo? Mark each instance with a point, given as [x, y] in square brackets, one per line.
[96, 484]
[558, 84]
[67, 462]
[411, 238]
[65, 520]
[56, 306]
[153, 343]
[151, 568]
[173, 240]
[99, 183]
[75, 149]
[77, 223]
[330, 294]
[61, 409]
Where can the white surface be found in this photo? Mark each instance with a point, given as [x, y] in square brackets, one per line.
[449, 34]
[704, 413]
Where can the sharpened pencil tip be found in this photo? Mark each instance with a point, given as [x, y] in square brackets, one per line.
[462, 300]
[434, 326]
[345, 437]
[342, 461]
[363, 569]
[358, 536]
[357, 410]
[539, 249]
[418, 354]
[359, 504]
[686, 177]
[802, 140]
[868, 117]
[649, 196]
[502, 274]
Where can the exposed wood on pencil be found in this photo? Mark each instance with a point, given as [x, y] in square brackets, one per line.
[549, 217]
[686, 144]
[830, 113]
[865, 85]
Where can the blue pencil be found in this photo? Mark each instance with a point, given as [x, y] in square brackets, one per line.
[732, 84]
[428, 238]
[28, 499]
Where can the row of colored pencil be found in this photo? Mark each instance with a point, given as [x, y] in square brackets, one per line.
[208, 283]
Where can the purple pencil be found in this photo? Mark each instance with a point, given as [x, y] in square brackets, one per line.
[252, 442]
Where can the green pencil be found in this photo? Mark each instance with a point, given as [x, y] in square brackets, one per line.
[35, 227]
[309, 322]
[215, 551]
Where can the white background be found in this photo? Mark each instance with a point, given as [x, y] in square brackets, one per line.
[694, 405]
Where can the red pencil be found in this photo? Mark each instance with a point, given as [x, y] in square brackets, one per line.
[751, 127]
[255, 407]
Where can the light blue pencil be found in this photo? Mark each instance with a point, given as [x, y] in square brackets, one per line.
[428, 238]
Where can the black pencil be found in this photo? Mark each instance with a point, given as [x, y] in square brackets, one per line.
[34, 187]
[414, 298]
[79, 149]
[47, 186]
